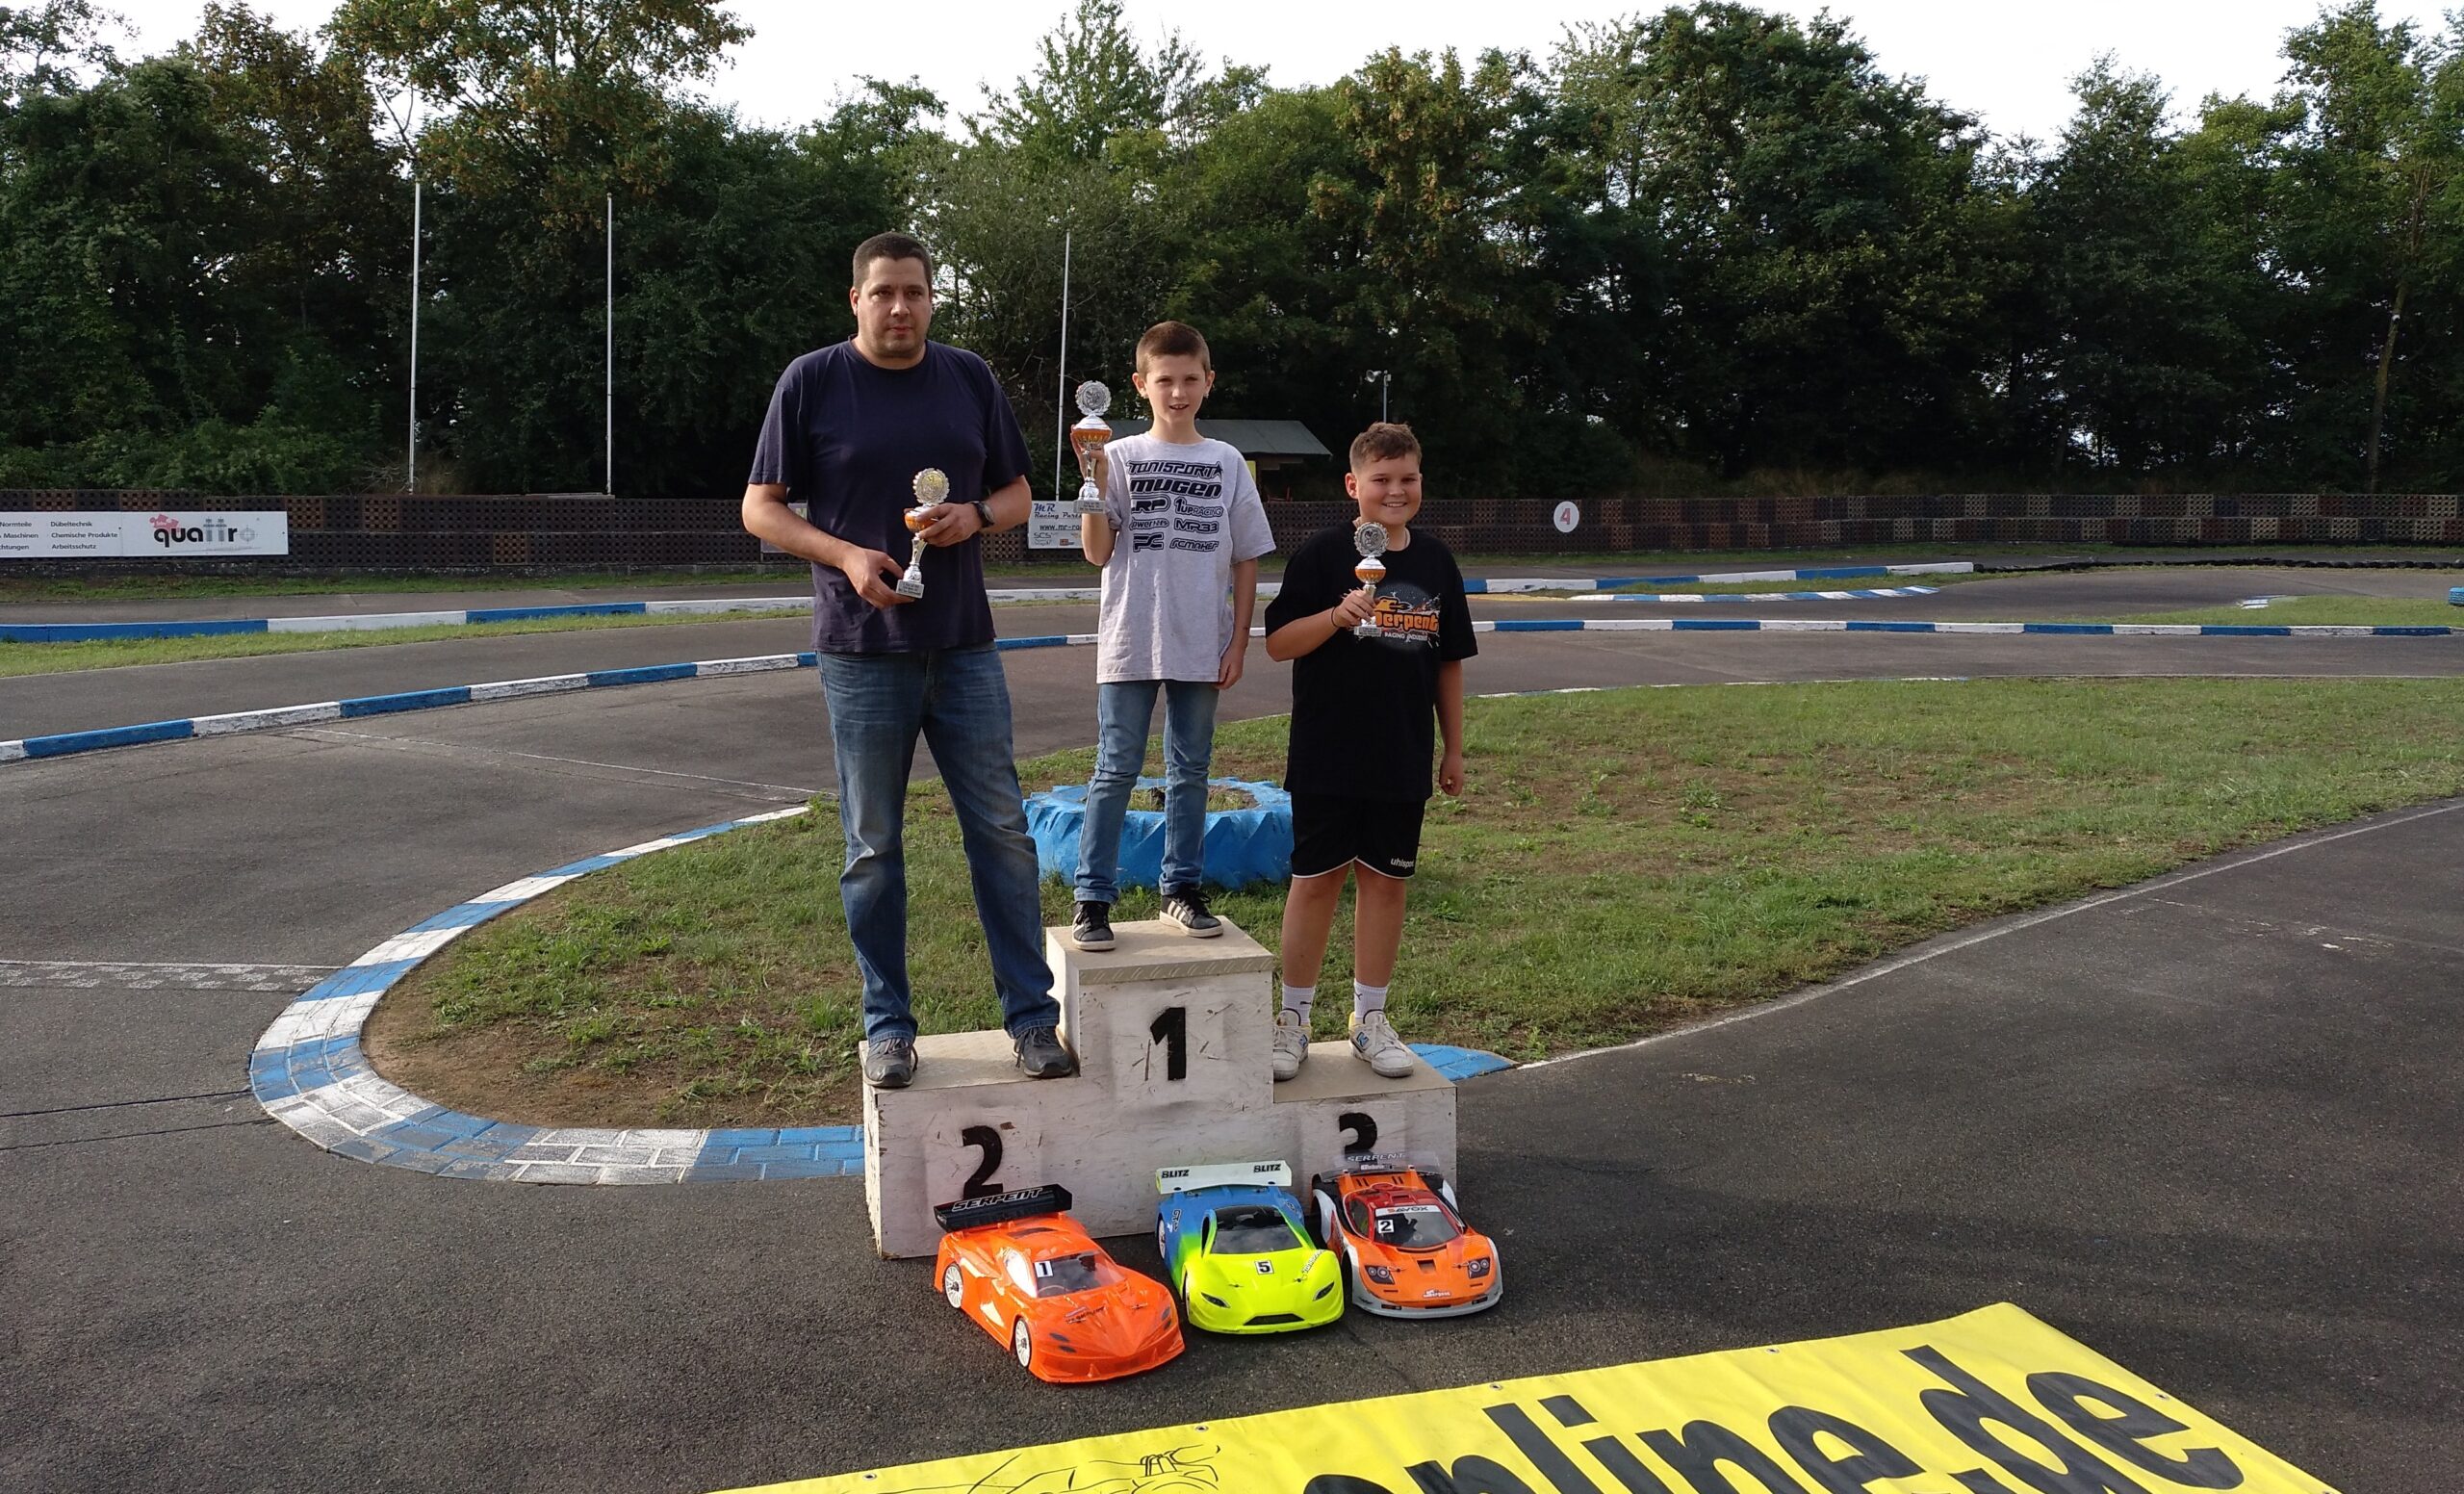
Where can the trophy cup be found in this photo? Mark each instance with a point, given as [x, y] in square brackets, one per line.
[1087, 438]
[931, 486]
[1370, 539]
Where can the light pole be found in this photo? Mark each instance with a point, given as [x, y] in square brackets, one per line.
[1384, 378]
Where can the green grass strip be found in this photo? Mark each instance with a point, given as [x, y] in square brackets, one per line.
[1620, 863]
[2308, 612]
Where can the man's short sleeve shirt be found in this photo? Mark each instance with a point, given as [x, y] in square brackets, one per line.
[846, 438]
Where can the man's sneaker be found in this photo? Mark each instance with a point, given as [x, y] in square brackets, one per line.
[1186, 910]
[890, 1063]
[1041, 1055]
[1092, 928]
[1373, 1042]
[1291, 1045]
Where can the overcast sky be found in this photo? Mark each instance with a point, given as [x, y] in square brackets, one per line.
[2009, 63]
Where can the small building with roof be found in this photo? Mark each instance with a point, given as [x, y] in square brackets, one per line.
[1269, 444]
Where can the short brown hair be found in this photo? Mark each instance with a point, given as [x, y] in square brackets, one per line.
[892, 246]
[1174, 340]
[1382, 442]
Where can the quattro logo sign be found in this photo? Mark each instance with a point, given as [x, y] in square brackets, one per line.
[96, 536]
[212, 534]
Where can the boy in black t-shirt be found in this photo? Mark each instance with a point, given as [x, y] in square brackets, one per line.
[1362, 714]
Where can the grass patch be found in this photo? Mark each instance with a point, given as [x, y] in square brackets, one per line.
[2311, 611]
[1620, 861]
[1151, 800]
[50, 659]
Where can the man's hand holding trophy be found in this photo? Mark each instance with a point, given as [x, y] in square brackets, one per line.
[932, 490]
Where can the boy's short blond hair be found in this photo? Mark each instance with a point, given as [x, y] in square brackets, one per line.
[1174, 340]
[1383, 440]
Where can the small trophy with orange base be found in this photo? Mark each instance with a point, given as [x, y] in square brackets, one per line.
[1370, 539]
[931, 487]
[1086, 439]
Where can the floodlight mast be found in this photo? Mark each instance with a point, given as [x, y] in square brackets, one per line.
[1061, 399]
[411, 465]
[607, 460]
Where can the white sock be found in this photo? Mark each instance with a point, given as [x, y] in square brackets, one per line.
[1297, 999]
[1367, 999]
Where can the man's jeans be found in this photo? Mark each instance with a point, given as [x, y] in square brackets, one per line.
[1123, 709]
[960, 700]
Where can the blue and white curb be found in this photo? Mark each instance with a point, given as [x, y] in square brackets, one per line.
[273, 718]
[65, 743]
[1877, 594]
[310, 1072]
[1499, 586]
[381, 622]
[711, 607]
[2069, 629]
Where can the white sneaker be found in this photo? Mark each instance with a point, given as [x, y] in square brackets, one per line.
[1373, 1042]
[1291, 1045]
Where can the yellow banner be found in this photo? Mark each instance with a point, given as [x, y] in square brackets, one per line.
[1989, 1402]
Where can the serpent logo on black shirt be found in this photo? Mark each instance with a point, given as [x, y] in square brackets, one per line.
[1406, 616]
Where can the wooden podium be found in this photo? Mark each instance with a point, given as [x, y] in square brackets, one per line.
[1173, 1037]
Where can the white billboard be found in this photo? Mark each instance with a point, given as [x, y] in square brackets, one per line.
[1053, 526]
[98, 537]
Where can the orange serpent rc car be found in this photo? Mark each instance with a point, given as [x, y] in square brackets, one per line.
[1023, 1270]
[1406, 1249]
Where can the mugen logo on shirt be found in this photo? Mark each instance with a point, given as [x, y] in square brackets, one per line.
[1190, 491]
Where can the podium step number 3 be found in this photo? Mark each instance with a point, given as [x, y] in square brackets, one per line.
[1173, 1037]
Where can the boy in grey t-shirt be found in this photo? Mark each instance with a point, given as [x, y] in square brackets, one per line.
[1178, 542]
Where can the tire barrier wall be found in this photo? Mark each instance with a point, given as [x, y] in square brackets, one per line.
[400, 531]
[1241, 847]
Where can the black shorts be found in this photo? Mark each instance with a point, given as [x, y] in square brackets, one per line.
[1330, 832]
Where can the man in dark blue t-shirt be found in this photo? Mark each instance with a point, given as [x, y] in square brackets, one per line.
[850, 426]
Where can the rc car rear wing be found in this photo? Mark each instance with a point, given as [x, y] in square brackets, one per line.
[1227, 1174]
[1001, 1208]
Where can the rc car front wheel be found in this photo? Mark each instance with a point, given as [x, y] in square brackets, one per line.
[1022, 1344]
[954, 1286]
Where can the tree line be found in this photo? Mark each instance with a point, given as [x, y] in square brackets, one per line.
[1703, 249]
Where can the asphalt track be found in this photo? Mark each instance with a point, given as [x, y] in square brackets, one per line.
[2207, 1127]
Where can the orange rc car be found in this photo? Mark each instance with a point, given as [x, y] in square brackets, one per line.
[1406, 1249]
[1023, 1270]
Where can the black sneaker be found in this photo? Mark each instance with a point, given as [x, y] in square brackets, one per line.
[1185, 910]
[890, 1063]
[1041, 1055]
[1092, 928]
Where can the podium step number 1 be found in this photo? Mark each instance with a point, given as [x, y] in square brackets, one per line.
[1173, 1037]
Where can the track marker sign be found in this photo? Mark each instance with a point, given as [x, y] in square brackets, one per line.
[1991, 1402]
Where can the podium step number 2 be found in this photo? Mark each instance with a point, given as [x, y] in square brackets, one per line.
[1173, 1037]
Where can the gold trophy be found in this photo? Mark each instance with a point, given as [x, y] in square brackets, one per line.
[1087, 438]
[931, 486]
[1370, 539]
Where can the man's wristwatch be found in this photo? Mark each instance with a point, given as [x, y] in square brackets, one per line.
[983, 513]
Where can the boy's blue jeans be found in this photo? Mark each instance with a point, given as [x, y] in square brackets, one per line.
[1123, 709]
[959, 701]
